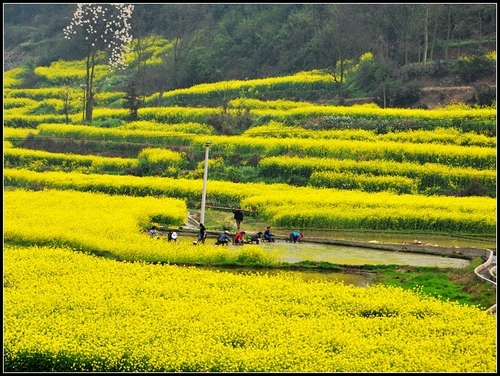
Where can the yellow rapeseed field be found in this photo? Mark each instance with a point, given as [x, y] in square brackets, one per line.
[87, 289]
[70, 311]
[113, 225]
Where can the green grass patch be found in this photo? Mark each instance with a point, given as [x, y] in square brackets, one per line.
[461, 285]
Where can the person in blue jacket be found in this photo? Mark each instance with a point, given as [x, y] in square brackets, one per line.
[153, 233]
[223, 239]
[295, 237]
[268, 234]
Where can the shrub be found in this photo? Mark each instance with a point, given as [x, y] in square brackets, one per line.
[476, 64]
[486, 96]
[405, 95]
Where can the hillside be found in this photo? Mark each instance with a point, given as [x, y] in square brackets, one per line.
[247, 41]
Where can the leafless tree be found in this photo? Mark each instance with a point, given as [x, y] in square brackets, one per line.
[101, 28]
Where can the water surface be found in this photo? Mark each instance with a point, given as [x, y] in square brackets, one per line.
[338, 254]
[344, 255]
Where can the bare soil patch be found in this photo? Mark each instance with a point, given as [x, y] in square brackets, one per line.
[439, 92]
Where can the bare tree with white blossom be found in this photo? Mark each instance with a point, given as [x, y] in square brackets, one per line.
[103, 29]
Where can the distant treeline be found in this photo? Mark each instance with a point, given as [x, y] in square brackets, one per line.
[217, 42]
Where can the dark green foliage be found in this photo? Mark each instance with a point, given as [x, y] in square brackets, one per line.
[220, 42]
[132, 102]
[322, 265]
[442, 68]
[108, 123]
[44, 109]
[403, 95]
[486, 96]
[475, 65]
[253, 160]
[364, 78]
[475, 188]
[225, 123]
[384, 126]
[235, 174]
[298, 181]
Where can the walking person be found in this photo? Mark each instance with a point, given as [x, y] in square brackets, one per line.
[295, 237]
[202, 234]
[238, 216]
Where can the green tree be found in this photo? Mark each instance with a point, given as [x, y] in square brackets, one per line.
[296, 36]
[185, 30]
[100, 28]
[66, 97]
[132, 102]
[340, 40]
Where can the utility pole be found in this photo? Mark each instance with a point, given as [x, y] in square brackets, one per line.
[204, 194]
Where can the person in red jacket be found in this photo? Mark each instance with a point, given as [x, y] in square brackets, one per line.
[238, 239]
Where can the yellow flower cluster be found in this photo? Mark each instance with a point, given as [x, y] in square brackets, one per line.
[112, 225]
[17, 157]
[423, 176]
[305, 112]
[20, 133]
[69, 72]
[189, 127]
[76, 312]
[384, 149]
[439, 135]
[288, 206]
[12, 77]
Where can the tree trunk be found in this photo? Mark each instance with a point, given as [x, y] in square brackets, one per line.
[480, 27]
[447, 35]
[434, 37]
[89, 108]
[341, 83]
[426, 34]
[89, 83]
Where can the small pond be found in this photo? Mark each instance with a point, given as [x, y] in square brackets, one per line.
[346, 255]
[339, 254]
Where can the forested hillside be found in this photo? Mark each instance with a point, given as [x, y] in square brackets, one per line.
[204, 43]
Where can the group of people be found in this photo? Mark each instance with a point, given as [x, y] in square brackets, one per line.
[171, 235]
[240, 237]
[294, 237]
[224, 238]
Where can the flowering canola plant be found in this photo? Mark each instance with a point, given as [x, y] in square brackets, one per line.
[69, 311]
[286, 206]
[112, 225]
